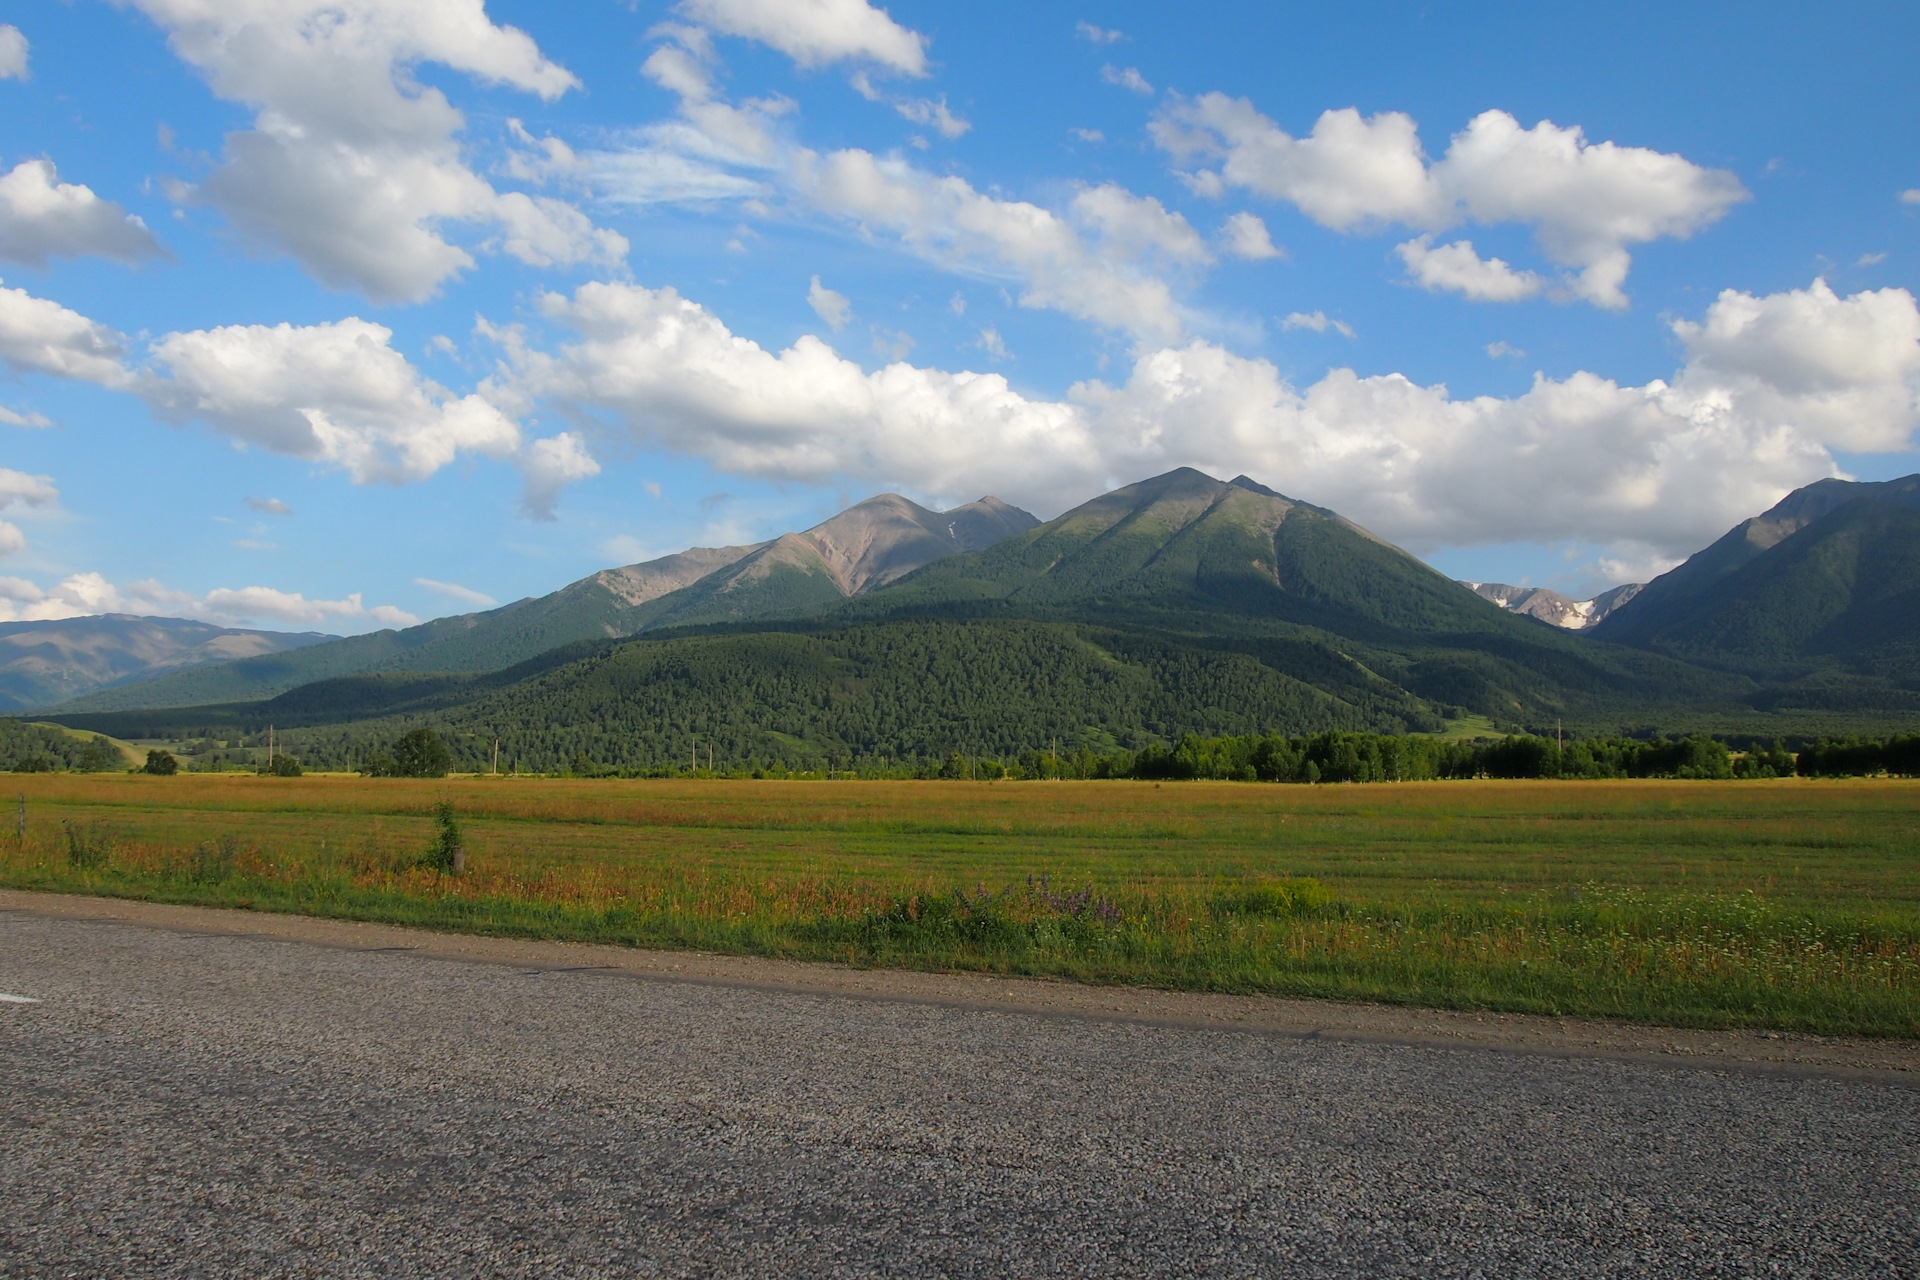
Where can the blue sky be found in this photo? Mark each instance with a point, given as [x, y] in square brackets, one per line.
[338, 315]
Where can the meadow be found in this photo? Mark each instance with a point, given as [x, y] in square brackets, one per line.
[1791, 904]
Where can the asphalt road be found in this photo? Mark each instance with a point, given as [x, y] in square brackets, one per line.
[187, 1104]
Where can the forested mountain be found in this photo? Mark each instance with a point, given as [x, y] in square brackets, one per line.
[1179, 604]
[869, 544]
[1820, 596]
[42, 663]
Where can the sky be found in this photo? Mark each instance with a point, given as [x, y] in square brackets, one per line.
[342, 314]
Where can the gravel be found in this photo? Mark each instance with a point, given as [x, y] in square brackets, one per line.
[184, 1104]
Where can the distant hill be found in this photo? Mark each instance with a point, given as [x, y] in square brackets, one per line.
[43, 663]
[1820, 596]
[1553, 608]
[867, 545]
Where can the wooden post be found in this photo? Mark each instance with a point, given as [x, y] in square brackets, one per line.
[21, 830]
[459, 859]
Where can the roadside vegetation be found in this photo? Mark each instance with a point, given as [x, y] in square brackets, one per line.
[1790, 904]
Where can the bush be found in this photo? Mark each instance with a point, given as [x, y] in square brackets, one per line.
[161, 763]
[444, 853]
[281, 767]
[33, 764]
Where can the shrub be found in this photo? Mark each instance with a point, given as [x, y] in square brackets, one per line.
[443, 854]
[161, 763]
[281, 767]
[33, 764]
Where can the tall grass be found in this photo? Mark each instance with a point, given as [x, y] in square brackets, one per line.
[1794, 906]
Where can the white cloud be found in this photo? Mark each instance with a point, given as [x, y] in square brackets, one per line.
[269, 506]
[1501, 350]
[817, 32]
[1870, 260]
[1097, 35]
[32, 421]
[934, 115]
[1656, 469]
[335, 393]
[549, 466]
[85, 594]
[1844, 371]
[1910, 196]
[829, 306]
[1316, 321]
[1088, 264]
[352, 166]
[17, 487]
[1457, 268]
[12, 541]
[42, 217]
[38, 336]
[454, 591]
[1126, 78]
[1087, 135]
[13, 53]
[1245, 236]
[992, 343]
[1587, 202]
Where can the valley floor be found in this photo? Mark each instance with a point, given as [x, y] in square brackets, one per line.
[1791, 905]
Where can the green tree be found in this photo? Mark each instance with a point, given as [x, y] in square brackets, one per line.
[98, 756]
[421, 754]
[162, 763]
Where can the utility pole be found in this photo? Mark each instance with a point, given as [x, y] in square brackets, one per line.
[269, 748]
[496, 757]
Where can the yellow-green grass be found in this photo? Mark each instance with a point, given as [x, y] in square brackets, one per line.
[1791, 904]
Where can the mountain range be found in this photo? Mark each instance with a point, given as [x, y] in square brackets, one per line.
[1180, 603]
[42, 663]
[868, 545]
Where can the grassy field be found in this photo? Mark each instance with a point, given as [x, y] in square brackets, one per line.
[1792, 904]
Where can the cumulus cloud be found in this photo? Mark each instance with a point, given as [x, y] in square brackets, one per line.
[549, 466]
[829, 306]
[13, 53]
[817, 32]
[1457, 268]
[1586, 201]
[933, 115]
[1126, 78]
[1245, 236]
[39, 336]
[352, 166]
[42, 217]
[454, 591]
[1317, 321]
[1660, 468]
[17, 488]
[84, 594]
[337, 394]
[1095, 262]
[32, 421]
[1844, 371]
